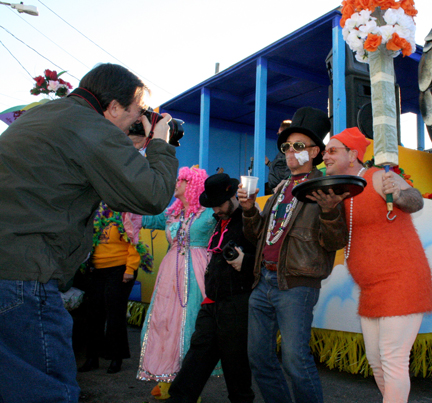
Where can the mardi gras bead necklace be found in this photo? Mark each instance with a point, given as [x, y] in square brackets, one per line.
[183, 243]
[105, 217]
[182, 231]
[288, 212]
[348, 246]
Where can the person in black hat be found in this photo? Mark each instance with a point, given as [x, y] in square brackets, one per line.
[296, 245]
[222, 322]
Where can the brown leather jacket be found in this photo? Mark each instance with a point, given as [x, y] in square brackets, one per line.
[309, 243]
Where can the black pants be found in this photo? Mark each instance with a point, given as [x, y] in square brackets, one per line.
[107, 303]
[220, 333]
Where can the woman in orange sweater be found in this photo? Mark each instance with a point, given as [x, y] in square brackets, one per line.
[387, 261]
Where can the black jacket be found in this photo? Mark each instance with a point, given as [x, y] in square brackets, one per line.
[221, 279]
[278, 170]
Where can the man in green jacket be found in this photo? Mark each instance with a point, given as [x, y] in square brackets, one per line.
[57, 162]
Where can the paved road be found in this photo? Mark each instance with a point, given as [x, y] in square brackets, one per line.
[99, 387]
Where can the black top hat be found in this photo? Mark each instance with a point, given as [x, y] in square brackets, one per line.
[312, 122]
[218, 189]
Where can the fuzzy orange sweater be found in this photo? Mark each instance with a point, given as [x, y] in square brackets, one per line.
[387, 259]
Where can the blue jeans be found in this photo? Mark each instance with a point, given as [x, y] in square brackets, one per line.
[36, 355]
[290, 311]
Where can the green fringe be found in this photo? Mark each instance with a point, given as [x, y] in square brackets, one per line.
[421, 356]
[346, 352]
[136, 312]
[342, 350]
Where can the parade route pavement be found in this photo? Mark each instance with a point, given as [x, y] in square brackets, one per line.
[99, 387]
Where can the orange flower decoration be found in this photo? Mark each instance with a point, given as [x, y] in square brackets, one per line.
[362, 4]
[408, 6]
[385, 4]
[398, 43]
[372, 42]
[348, 10]
[365, 5]
[351, 6]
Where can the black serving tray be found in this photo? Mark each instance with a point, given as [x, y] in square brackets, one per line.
[339, 183]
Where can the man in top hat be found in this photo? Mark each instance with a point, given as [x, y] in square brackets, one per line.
[221, 326]
[296, 245]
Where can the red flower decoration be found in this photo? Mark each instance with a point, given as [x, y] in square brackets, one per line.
[39, 80]
[66, 83]
[51, 84]
[51, 75]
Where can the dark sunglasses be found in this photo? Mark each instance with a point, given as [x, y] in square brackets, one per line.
[298, 146]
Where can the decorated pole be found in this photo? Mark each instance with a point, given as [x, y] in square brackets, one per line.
[377, 31]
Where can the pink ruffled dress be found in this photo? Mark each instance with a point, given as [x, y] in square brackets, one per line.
[177, 296]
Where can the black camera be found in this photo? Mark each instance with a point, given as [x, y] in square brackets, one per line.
[175, 125]
[229, 252]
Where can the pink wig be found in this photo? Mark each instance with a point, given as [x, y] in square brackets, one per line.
[195, 178]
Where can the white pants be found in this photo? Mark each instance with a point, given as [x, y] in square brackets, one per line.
[388, 343]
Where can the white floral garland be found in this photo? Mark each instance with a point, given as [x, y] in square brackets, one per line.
[361, 24]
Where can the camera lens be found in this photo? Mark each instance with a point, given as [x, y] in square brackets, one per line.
[229, 251]
[230, 255]
[175, 125]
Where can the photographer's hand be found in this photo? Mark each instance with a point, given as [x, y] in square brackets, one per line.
[161, 129]
[138, 141]
[237, 262]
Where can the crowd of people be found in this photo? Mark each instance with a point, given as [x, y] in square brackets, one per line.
[233, 275]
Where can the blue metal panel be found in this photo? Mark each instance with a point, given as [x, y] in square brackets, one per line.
[260, 123]
[420, 133]
[339, 93]
[417, 54]
[204, 129]
[293, 60]
[298, 73]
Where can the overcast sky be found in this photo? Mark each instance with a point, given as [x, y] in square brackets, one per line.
[171, 44]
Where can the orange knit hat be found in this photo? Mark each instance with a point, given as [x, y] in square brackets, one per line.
[354, 140]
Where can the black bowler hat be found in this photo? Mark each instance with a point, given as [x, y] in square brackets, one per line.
[218, 189]
[312, 122]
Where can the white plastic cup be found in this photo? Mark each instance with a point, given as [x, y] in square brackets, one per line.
[250, 184]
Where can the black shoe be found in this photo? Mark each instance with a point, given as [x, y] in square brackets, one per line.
[115, 366]
[91, 363]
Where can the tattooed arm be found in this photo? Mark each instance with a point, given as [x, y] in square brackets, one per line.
[409, 200]
[405, 197]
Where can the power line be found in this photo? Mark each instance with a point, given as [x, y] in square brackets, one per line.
[94, 43]
[79, 61]
[15, 57]
[8, 96]
[10, 33]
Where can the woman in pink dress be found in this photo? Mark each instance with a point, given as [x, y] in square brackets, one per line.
[179, 287]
